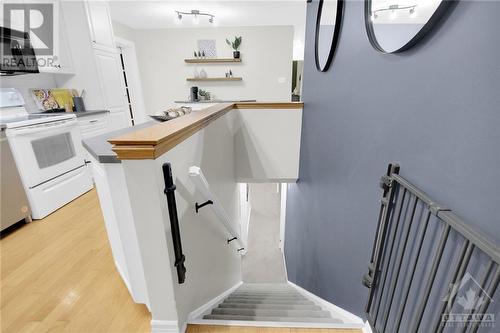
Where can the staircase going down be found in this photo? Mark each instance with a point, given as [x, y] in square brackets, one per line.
[270, 303]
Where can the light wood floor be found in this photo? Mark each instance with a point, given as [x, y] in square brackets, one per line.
[58, 275]
[240, 329]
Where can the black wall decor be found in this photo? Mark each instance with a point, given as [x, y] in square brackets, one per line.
[321, 65]
[439, 14]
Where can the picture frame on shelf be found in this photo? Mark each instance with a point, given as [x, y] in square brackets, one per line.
[208, 47]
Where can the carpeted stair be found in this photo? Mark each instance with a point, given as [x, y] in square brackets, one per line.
[272, 303]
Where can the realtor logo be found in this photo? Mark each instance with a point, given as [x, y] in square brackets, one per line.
[35, 18]
[469, 298]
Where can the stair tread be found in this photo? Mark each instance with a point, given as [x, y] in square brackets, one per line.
[270, 306]
[267, 301]
[292, 298]
[272, 312]
[266, 291]
[270, 303]
[278, 319]
[276, 287]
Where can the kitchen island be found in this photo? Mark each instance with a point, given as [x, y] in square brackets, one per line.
[113, 195]
[209, 152]
[102, 151]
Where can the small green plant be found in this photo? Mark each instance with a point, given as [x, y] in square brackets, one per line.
[235, 44]
[204, 93]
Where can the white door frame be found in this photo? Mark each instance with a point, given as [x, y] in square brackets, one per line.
[133, 79]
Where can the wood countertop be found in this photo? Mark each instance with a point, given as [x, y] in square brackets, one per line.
[154, 141]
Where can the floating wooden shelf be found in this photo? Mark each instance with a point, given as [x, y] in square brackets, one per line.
[211, 60]
[214, 79]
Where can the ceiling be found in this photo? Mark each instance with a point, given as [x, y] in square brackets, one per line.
[229, 13]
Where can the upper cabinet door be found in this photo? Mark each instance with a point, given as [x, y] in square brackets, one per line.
[101, 28]
[62, 62]
[110, 78]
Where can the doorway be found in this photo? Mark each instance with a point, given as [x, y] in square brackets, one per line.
[264, 260]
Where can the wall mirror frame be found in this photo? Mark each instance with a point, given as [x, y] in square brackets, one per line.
[438, 14]
[323, 66]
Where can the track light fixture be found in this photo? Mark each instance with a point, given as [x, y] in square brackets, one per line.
[394, 9]
[195, 13]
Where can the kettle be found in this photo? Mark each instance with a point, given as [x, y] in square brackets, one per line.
[194, 94]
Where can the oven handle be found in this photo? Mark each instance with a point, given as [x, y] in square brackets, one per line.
[38, 128]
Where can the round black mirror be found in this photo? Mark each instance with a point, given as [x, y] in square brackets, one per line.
[396, 25]
[328, 23]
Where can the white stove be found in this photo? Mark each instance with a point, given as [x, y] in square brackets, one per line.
[48, 153]
[32, 119]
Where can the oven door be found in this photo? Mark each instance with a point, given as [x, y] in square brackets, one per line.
[46, 151]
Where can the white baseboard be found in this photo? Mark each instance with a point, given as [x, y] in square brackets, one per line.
[291, 324]
[212, 303]
[166, 326]
[125, 280]
[337, 312]
[367, 328]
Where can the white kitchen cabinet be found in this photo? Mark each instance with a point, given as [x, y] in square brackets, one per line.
[94, 125]
[97, 61]
[101, 28]
[111, 82]
[61, 62]
[113, 195]
[110, 78]
[16, 19]
[119, 118]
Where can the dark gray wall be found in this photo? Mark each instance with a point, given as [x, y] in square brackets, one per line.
[435, 109]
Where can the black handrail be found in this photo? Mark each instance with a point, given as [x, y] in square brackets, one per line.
[174, 222]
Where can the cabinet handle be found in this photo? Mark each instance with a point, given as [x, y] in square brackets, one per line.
[93, 121]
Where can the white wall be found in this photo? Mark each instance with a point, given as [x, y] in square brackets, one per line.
[267, 144]
[123, 31]
[213, 266]
[266, 66]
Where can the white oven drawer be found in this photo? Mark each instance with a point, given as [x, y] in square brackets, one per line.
[93, 125]
[52, 195]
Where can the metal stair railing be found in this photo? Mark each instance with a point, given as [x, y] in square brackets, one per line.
[203, 188]
[411, 228]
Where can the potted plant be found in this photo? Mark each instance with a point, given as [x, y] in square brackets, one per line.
[235, 45]
[205, 95]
